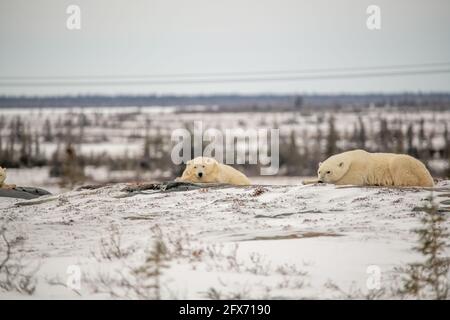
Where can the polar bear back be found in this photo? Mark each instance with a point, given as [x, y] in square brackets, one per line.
[230, 175]
[408, 171]
[2, 176]
[384, 169]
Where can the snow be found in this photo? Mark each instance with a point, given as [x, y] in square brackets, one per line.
[285, 241]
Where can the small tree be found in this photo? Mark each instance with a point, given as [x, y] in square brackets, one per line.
[361, 134]
[48, 135]
[148, 275]
[332, 138]
[384, 135]
[429, 279]
[447, 142]
[72, 168]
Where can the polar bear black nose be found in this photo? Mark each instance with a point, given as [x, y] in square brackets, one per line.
[320, 181]
[200, 174]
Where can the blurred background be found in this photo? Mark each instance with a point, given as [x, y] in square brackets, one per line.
[98, 104]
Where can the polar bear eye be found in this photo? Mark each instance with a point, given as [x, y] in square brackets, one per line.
[195, 167]
[328, 172]
[203, 166]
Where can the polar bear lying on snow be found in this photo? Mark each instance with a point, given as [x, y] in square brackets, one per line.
[359, 167]
[2, 180]
[208, 170]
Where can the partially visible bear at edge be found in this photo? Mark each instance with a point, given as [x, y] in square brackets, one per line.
[209, 170]
[359, 167]
[3, 185]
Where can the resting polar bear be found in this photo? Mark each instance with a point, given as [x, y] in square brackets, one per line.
[208, 170]
[359, 167]
[2, 180]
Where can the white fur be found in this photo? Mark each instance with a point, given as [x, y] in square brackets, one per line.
[3, 185]
[2, 176]
[208, 170]
[359, 167]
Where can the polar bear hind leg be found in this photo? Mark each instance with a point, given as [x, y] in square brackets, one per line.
[409, 172]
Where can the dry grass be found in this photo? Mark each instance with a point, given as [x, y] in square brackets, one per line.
[15, 274]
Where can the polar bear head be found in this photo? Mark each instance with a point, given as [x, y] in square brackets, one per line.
[2, 175]
[202, 169]
[333, 169]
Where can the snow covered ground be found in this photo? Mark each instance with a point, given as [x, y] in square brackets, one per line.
[315, 241]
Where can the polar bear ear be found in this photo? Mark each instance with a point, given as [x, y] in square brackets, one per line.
[211, 161]
[189, 162]
[341, 164]
[320, 163]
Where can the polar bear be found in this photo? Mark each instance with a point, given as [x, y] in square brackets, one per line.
[359, 167]
[2, 180]
[208, 170]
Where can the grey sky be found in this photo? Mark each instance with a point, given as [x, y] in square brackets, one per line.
[207, 36]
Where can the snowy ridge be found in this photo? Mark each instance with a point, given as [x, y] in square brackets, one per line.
[278, 241]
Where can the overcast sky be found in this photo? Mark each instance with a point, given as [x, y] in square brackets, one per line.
[209, 36]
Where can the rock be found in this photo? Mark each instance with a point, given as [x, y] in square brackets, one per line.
[23, 193]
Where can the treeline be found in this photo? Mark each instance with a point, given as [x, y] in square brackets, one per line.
[300, 149]
[232, 101]
[300, 155]
[22, 147]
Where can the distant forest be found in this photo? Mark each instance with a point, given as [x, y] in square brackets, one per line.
[238, 102]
